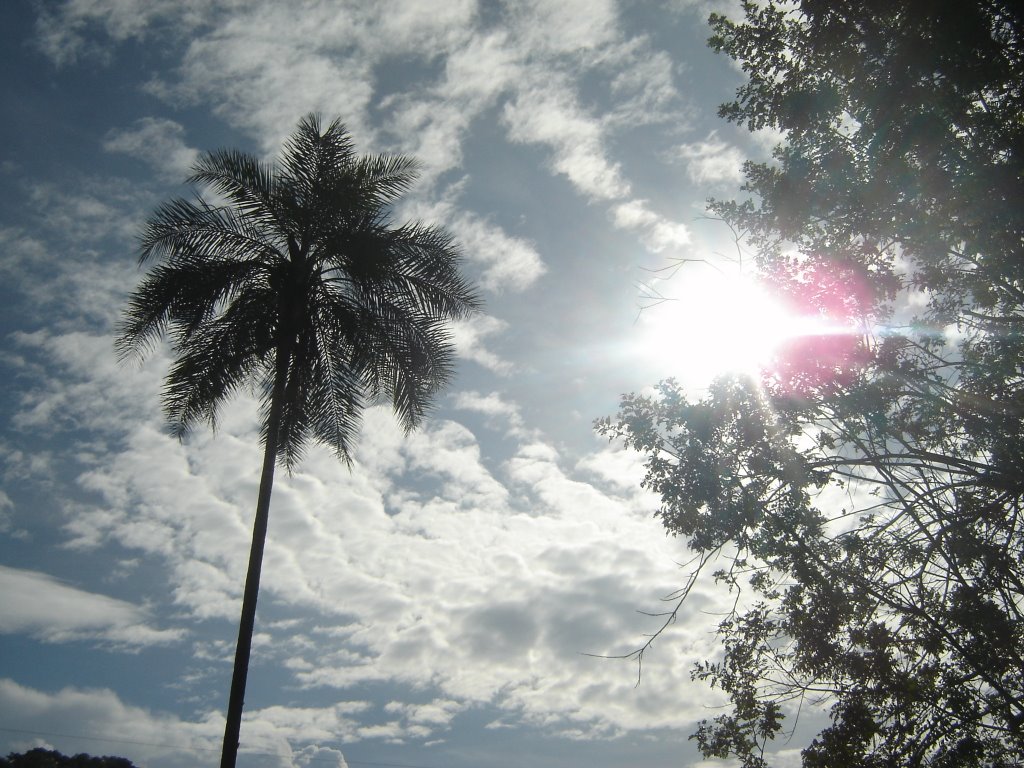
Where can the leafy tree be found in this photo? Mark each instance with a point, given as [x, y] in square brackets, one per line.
[863, 498]
[301, 285]
[48, 758]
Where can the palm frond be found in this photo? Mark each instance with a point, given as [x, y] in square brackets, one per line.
[382, 179]
[414, 265]
[429, 262]
[218, 359]
[183, 231]
[335, 393]
[403, 357]
[249, 185]
[312, 156]
[179, 300]
[419, 366]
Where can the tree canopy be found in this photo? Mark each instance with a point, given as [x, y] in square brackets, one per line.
[863, 498]
[300, 279]
[49, 758]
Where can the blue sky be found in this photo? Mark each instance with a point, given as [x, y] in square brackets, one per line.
[434, 605]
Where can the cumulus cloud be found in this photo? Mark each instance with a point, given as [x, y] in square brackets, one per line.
[621, 469]
[65, 32]
[477, 72]
[160, 740]
[644, 86]
[573, 27]
[431, 571]
[65, 281]
[91, 392]
[86, 209]
[425, 565]
[531, 62]
[6, 505]
[321, 757]
[204, 540]
[701, 9]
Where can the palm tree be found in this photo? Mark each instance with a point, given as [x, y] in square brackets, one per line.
[297, 282]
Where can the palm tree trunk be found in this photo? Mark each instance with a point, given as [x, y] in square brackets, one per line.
[236, 699]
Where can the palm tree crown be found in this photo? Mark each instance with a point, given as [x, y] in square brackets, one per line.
[300, 280]
[299, 283]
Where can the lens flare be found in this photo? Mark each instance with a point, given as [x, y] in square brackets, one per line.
[792, 334]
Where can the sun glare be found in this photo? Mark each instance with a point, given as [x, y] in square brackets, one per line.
[713, 324]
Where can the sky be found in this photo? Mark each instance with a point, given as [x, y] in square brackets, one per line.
[449, 601]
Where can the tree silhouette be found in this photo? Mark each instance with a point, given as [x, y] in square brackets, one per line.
[300, 284]
[49, 758]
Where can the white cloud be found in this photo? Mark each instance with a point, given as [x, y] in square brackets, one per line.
[656, 232]
[421, 544]
[157, 141]
[449, 452]
[320, 757]
[65, 283]
[279, 725]
[510, 263]
[767, 139]
[204, 541]
[468, 337]
[622, 469]
[430, 570]
[64, 30]
[326, 59]
[495, 407]
[546, 111]
[713, 161]
[701, 9]
[413, 27]
[643, 84]
[92, 392]
[574, 27]
[86, 209]
[322, 59]
[261, 65]
[437, 712]
[37, 604]
[432, 131]
[6, 505]
[160, 740]
[296, 63]
[481, 69]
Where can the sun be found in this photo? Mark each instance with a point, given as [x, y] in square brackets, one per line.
[712, 323]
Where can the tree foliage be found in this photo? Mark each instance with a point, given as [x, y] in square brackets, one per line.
[49, 758]
[865, 494]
